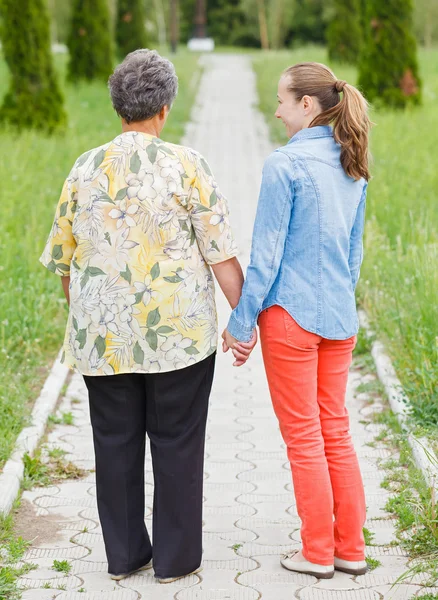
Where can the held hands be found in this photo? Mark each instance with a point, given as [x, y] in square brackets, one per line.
[241, 350]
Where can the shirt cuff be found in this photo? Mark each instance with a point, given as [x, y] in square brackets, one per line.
[239, 331]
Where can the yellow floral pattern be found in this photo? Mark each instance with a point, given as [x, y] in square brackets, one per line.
[137, 225]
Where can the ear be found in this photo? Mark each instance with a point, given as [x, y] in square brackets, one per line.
[164, 112]
[307, 104]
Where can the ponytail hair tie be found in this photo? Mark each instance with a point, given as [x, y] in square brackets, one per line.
[339, 85]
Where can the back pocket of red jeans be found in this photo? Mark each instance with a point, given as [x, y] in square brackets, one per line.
[297, 336]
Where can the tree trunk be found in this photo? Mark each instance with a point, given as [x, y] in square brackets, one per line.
[200, 20]
[173, 25]
[161, 22]
[264, 39]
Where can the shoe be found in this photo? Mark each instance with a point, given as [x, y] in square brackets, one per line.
[351, 567]
[306, 567]
[123, 575]
[171, 579]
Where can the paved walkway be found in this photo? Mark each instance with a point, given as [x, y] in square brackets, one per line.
[249, 513]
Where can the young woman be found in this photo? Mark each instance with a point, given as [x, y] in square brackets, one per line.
[300, 285]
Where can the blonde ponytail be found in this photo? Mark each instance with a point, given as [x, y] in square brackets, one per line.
[347, 114]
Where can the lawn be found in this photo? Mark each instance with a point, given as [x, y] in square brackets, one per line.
[32, 170]
[399, 278]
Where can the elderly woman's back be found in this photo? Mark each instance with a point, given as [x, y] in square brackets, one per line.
[138, 225]
[138, 222]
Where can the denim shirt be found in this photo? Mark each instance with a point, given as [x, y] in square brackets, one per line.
[307, 240]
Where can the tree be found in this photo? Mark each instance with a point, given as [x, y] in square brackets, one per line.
[426, 21]
[344, 33]
[34, 99]
[90, 41]
[130, 29]
[388, 69]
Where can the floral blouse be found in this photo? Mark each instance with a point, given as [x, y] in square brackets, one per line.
[138, 223]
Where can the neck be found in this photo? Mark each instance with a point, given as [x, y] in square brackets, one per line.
[150, 127]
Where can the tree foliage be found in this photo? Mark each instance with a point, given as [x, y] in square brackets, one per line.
[130, 27]
[34, 99]
[344, 33]
[388, 70]
[90, 41]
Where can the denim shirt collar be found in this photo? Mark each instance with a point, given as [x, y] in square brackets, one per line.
[320, 131]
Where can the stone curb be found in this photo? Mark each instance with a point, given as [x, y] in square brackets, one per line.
[29, 438]
[422, 451]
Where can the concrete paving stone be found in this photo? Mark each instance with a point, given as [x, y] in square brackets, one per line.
[254, 499]
[147, 580]
[426, 590]
[159, 592]
[270, 487]
[279, 535]
[340, 581]
[220, 523]
[378, 578]
[377, 551]
[208, 592]
[70, 553]
[79, 567]
[70, 582]
[256, 549]
[62, 501]
[117, 594]
[215, 447]
[220, 550]
[40, 594]
[278, 591]
[255, 523]
[383, 536]
[89, 540]
[74, 489]
[57, 443]
[271, 571]
[90, 513]
[99, 581]
[276, 510]
[235, 510]
[398, 592]
[256, 455]
[235, 535]
[38, 492]
[238, 564]
[316, 593]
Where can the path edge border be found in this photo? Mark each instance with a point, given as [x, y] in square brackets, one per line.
[423, 453]
[29, 437]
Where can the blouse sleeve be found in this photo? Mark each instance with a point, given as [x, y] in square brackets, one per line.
[61, 244]
[209, 216]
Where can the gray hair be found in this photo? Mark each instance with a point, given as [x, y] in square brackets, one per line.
[142, 84]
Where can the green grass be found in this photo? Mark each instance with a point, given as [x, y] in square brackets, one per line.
[62, 566]
[399, 278]
[12, 549]
[32, 170]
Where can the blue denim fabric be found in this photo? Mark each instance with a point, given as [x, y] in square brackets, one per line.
[307, 240]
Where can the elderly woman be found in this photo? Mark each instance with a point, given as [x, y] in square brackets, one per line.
[138, 225]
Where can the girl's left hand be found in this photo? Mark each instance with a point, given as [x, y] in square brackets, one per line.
[241, 350]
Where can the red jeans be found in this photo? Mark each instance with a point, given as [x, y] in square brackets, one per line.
[307, 377]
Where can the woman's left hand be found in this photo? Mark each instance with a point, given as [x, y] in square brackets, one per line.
[241, 350]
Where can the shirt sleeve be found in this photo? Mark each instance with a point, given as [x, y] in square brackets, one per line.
[209, 215]
[269, 237]
[60, 246]
[356, 240]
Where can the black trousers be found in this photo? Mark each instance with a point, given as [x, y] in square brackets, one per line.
[172, 409]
